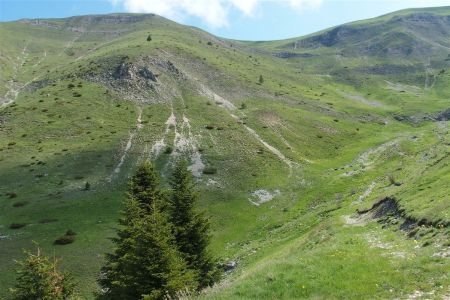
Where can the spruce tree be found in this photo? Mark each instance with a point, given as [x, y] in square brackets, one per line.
[261, 79]
[39, 278]
[190, 228]
[144, 186]
[146, 262]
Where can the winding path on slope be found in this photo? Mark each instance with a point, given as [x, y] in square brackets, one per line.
[230, 108]
[184, 142]
[128, 145]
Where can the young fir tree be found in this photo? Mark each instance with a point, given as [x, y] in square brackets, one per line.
[144, 186]
[39, 278]
[261, 79]
[191, 229]
[145, 261]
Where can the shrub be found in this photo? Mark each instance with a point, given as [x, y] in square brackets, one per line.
[76, 94]
[47, 220]
[209, 170]
[168, 150]
[20, 203]
[70, 232]
[261, 79]
[71, 85]
[11, 195]
[64, 240]
[243, 106]
[209, 127]
[209, 43]
[87, 186]
[149, 38]
[17, 225]
[39, 278]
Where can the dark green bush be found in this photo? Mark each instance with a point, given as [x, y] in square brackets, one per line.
[17, 225]
[168, 150]
[47, 220]
[64, 240]
[70, 232]
[209, 170]
[20, 203]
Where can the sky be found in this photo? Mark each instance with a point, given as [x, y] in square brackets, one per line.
[236, 19]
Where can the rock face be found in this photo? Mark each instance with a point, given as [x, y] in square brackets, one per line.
[444, 116]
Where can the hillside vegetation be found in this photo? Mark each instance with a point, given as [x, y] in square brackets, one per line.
[322, 161]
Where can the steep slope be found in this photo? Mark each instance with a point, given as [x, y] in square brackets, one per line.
[282, 165]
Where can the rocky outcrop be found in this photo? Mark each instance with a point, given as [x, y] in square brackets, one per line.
[444, 115]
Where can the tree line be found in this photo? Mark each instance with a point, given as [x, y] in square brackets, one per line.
[160, 250]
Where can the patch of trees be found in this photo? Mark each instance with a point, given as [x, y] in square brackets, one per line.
[160, 249]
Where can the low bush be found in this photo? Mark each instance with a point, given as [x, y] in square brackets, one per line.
[64, 240]
[20, 203]
[47, 220]
[168, 150]
[209, 170]
[17, 225]
[70, 232]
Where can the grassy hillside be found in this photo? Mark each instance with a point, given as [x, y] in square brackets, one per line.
[329, 179]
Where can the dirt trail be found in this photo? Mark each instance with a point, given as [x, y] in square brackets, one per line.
[364, 161]
[69, 44]
[367, 192]
[184, 142]
[15, 87]
[159, 145]
[95, 49]
[41, 59]
[230, 108]
[128, 145]
[361, 99]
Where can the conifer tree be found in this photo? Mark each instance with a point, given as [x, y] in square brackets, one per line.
[146, 262]
[144, 186]
[191, 228]
[39, 278]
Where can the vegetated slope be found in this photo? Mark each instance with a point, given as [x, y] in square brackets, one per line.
[343, 120]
